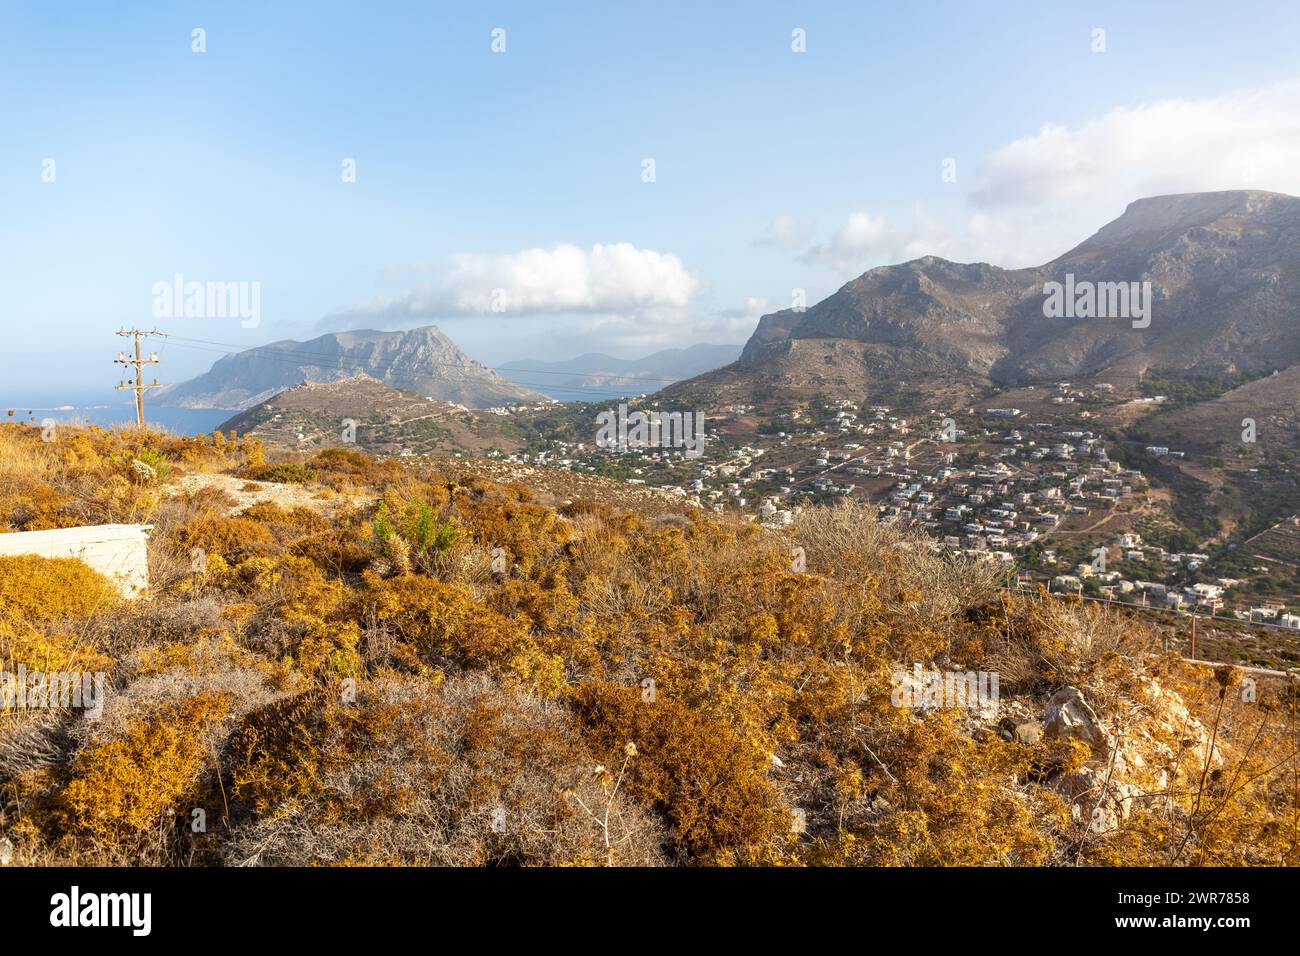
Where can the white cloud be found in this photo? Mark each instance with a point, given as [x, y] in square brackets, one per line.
[1041, 195]
[670, 328]
[613, 297]
[862, 240]
[613, 279]
[865, 241]
[1241, 140]
[616, 332]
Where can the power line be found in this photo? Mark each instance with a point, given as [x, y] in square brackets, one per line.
[139, 362]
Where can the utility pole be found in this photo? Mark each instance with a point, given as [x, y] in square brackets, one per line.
[139, 362]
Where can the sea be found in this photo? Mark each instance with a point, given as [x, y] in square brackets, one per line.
[107, 407]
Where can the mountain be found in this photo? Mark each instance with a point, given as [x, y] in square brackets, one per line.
[1224, 274]
[1215, 424]
[312, 415]
[595, 376]
[421, 360]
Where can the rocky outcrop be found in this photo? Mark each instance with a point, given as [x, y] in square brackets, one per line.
[1069, 715]
[1157, 745]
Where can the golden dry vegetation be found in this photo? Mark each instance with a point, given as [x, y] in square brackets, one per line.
[412, 668]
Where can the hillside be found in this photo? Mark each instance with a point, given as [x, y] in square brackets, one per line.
[1214, 425]
[352, 660]
[1224, 270]
[796, 370]
[420, 360]
[1246, 486]
[387, 420]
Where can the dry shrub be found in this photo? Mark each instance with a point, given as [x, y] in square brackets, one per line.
[465, 773]
[155, 622]
[956, 802]
[342, 468]
[926, 585]
[584, 506]
[443, 623]
[165, 675]
[339, 550]
[28, 504]
[529, 533]
[84, 475]
[470, 564]
[774, 688]
[1038, 645]
[44, 590]
[297, 519]
[47, 650]
[207, 499]
[706, 781]
[122, 788]
[23, 454]
[30, 741]
[220, 535]
[333, 544]
[283, 473]
[636, 575]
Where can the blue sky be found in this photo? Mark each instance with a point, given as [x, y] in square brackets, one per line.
[521, 172]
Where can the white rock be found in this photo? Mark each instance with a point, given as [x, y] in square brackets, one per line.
[1069, 715]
